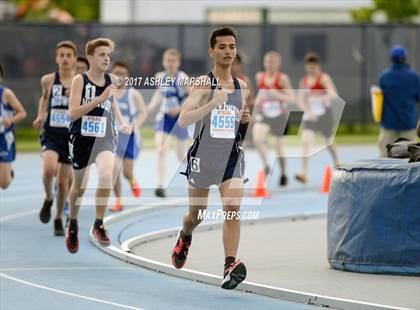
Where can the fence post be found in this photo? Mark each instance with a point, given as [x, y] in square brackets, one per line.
[265, 32]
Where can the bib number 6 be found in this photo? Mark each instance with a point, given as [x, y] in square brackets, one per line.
[195, 164]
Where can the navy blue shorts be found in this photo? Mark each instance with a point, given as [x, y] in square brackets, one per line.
[169, 125]
[7, 147]
[58, 143]
[212, 167]
[83, 151]
[128, 146]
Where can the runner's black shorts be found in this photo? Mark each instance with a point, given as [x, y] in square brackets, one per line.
[57, 142]
[84, 150]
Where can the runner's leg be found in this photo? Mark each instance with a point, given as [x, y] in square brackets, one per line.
[105, 166]
[5, 174]
[260, 132]
[231, 192]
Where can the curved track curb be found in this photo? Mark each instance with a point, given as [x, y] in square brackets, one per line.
[125, 255]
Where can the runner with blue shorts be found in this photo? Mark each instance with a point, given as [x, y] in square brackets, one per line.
[133, 110]
[169, 95]
[11, 112]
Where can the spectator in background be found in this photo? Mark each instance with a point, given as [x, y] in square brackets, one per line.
[401, 91]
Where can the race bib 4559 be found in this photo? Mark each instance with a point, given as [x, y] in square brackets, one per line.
[222, 124]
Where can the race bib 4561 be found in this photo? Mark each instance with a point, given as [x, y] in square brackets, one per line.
[93, 126]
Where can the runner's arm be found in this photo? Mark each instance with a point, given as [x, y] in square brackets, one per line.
[195, 107]
[77, 110]
[286, 94]
[20, 113]
[184, 84]
[245, 117]
[251, 95]
[156, 97]
[302, 101]
[245, 111]
[155, 101]
[118, 114]
[257, 100]
[328, 84]
[141, 108]
[114, 82]
[46, 84]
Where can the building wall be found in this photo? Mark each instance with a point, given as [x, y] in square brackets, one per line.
[201, 11]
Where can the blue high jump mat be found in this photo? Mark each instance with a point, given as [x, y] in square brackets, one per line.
[374, 217]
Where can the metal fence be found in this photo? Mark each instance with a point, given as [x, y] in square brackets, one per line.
[354, 55]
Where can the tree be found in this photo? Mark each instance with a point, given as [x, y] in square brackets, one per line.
[362, 15]
[394, 10]
[81, 10]
[42, 10]
[398, 10]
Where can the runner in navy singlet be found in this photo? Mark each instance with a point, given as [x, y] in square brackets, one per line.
[54, 119]
[93, 111]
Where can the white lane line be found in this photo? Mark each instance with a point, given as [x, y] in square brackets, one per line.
[17, 215]
[162, 202]
[260, 289]
[101, 301]
[18, 196]
[63, 268]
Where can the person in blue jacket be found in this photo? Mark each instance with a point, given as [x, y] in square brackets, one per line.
[401, 91]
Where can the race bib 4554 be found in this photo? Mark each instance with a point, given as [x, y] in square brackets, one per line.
[59, 118]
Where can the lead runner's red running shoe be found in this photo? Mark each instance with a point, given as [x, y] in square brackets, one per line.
[233, 275]
[180, 251]
[101, 235]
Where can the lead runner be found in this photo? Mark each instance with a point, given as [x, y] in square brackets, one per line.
[215, 157]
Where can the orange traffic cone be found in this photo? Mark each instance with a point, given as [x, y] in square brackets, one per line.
[261, 189]
[327, 180]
